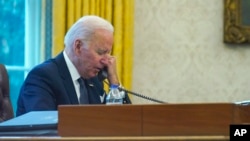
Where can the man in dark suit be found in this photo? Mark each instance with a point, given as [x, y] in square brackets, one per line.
[88, 44]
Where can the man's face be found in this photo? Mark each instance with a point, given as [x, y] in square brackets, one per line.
[91, 56]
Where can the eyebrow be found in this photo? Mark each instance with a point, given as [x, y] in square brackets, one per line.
[104, 50]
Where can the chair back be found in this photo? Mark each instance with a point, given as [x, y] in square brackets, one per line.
[6, 109]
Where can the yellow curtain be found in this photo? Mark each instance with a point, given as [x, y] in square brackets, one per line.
[118, 12]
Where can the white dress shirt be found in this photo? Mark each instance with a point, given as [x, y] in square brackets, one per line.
[74, 74]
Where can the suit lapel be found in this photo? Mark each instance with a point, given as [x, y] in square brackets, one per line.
[66, 79]
[94, 97]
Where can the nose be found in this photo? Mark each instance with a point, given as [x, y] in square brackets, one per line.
[104, 59]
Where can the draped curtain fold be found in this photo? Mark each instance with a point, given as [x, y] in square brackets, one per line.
[118, 12]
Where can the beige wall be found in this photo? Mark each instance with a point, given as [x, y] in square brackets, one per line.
[180, 57]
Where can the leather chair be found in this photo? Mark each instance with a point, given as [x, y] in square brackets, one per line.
[6, 109]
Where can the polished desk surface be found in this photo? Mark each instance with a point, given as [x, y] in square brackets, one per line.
[208, 122]
[120, 138]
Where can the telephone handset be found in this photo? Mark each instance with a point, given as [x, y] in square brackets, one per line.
[103, 74]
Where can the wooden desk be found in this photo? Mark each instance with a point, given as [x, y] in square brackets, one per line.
[163, 122]
[141, 138]
[206, 119]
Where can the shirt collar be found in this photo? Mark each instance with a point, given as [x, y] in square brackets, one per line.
[72, 69]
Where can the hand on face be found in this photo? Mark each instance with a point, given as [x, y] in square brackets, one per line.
[110, 63]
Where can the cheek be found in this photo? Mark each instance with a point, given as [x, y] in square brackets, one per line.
[96, 59]
[92, 59]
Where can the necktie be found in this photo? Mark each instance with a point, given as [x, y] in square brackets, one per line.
[84, 99]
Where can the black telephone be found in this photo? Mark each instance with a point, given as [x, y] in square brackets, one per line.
[102, 75]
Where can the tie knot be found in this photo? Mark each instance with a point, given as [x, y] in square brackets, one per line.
[80, 80]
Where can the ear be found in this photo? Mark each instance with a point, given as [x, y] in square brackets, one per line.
[77, 46]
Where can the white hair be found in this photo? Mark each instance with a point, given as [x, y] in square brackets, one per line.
[85, 27]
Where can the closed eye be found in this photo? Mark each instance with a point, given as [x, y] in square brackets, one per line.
[102, 52]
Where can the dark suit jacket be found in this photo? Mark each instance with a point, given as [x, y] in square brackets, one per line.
[50, 84]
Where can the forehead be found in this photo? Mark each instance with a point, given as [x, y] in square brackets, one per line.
[103, 39]
[103, 34]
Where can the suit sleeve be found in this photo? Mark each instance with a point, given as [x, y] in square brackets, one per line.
[36, 93]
